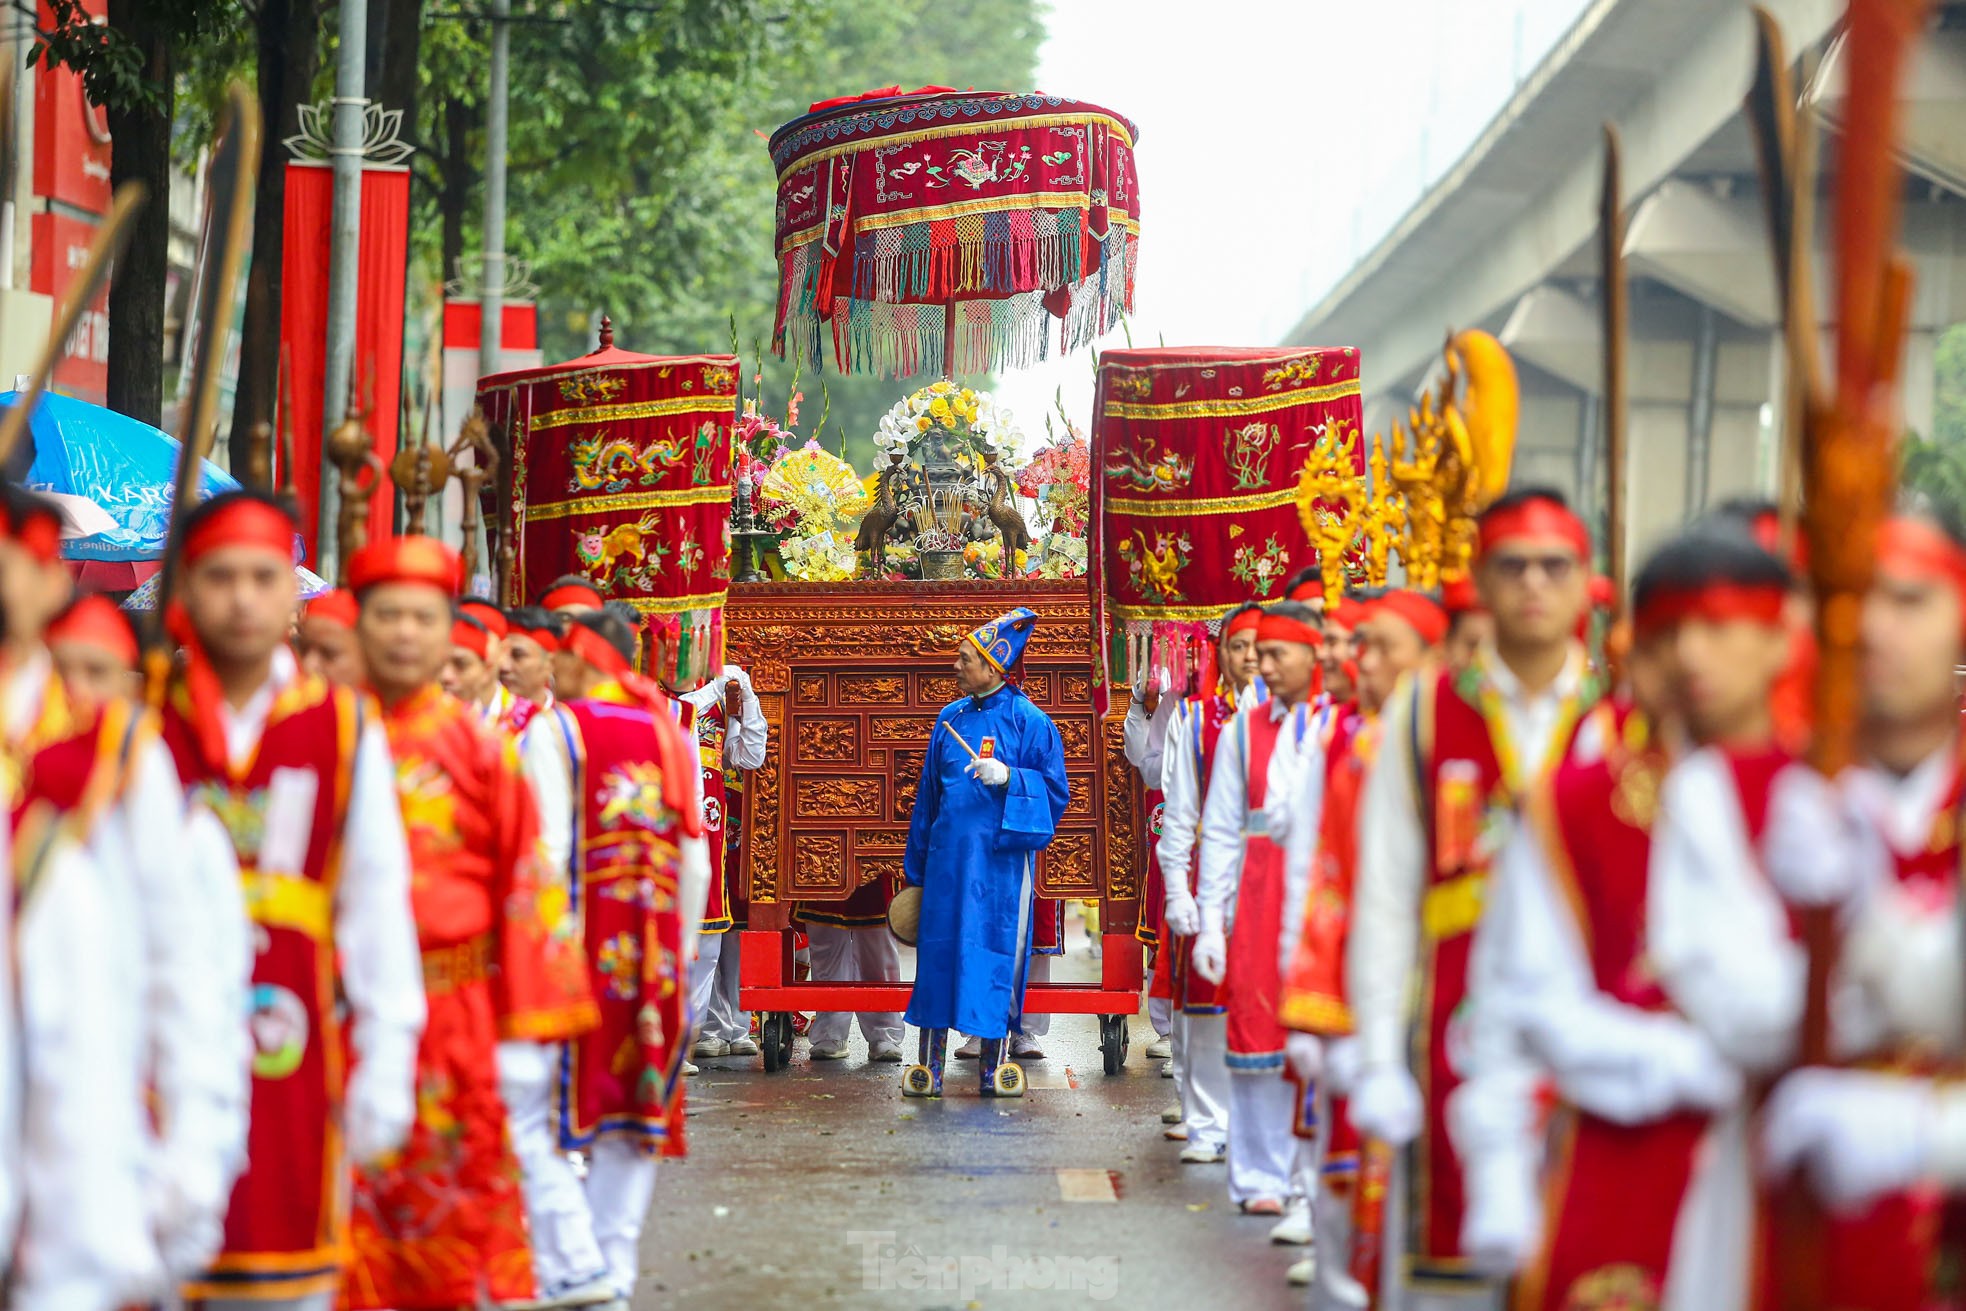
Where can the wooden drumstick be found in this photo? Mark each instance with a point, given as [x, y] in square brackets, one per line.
[959, 739]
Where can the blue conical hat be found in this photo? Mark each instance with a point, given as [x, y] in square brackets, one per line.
[1003, 639]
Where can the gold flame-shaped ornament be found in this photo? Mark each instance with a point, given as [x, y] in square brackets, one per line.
[1330, 498]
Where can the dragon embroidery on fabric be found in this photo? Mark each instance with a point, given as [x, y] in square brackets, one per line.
[590, 389]
[601, 463]
[977, 168]
[1247, 449]
[1155, 567]
[598, 550]
[1150, 472]
[632, 794]
[1130, 384]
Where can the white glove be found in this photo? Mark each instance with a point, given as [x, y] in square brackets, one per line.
[381, 1110]
[188, 1241]
[1386, 1105]
[989, 771]
[1211, 954]
[1341, 1062]
[1183, 915]
[1672, 1067]
[1500, 1230]
[1814, 849]
[1304, 1053]
[1858, 1135]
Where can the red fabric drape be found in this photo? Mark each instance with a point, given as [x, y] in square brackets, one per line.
[381, 272]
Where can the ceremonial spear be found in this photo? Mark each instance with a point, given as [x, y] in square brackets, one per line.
[1848, 440]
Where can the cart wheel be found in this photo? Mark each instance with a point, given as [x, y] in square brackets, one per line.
[780, 1025]
[1112, 1041]
[768, 1043]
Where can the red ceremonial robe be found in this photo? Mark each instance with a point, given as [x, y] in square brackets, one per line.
[286, 1231]
[624, 1077]
[710, 729]
[1192, 993]
[443, 1224]
[1251, 980]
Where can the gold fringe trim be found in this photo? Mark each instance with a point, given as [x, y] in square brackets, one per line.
[1231, 407]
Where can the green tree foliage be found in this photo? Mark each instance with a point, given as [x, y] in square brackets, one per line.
[1935, 466]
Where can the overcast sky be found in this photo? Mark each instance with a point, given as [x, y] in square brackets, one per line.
[1274, 135]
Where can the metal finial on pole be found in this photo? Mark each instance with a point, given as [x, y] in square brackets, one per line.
[607, 334]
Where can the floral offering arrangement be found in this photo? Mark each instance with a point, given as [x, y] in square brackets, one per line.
[972, 420]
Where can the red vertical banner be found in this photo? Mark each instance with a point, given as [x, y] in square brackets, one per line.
[71, 172]
[382, 268]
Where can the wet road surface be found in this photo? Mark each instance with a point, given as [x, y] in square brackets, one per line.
[820, 1185]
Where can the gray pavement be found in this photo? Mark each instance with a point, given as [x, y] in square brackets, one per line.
[822, 1186]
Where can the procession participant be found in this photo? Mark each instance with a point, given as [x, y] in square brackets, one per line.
[992, 790]
[621, 819]
[1469, 627]
[1879, 1142]
[1143, 737]
[1397, 633]
[849, 941]
[325, 640]
[1306, 587]
[442, 1224]
[1455, 755]
[299, 773]
[177, 921]
[526, 670]
[571, 594]
[1338, 653]
[1187, 763]
[95, 653]
[720, 1028]
[1561, 976]
[492, 618]
[1239, 894]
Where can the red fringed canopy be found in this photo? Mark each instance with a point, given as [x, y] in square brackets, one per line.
[902, 216]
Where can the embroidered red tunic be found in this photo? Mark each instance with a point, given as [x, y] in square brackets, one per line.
[443, 1224]
[1191, 992]
[1251, 978]
[286, 1231]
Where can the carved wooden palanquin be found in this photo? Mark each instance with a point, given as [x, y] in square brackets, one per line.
[851, 677]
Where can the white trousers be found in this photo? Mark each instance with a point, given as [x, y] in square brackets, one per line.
[1395, 1293]
[312, 1302]
[1038, 970]
[564, 1251]
[1262, 1148]
[620, 1187]
[713, 989]
[1160, 1014]
[1201, 1076]
[1332, 1285]
[841, 955]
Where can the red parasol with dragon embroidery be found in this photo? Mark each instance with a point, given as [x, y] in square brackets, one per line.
[909, 220]
[621, 473]
[1197, 459]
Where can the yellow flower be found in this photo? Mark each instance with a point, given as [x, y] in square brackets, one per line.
[941, 387]
[940, 409]
[924, 423]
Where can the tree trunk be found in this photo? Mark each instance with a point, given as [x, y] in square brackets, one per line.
[289, 55]
[455, 202]
[141, 153]
[394, 85]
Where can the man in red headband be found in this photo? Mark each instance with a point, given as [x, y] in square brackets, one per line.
[1395, 633]
[299, 772]
[1242, 878]
[1456, 754]
[325, 641]
[1883, 1147]
[443, 1223]
[1563, 976]
[571, 594]
[621, 813]
[532, 636]
[470, 671]
[95, 652]
[1469, 627]
[1187, 763]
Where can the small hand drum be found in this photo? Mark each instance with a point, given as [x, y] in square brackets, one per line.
[904, 914]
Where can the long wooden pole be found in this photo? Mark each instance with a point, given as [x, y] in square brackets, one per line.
[1611, 257]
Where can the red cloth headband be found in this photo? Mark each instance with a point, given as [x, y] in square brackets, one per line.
[38, 531]
[337, 607]
[244, 522]
[95, 621]
[1459, 596]
[1422, 614]
[1668, 607]
[1282, 628]
[1247, 621]
[1912, 546]
[422, 560]
[1342, 614]
[595, 650]
[489, 615]
[472, 638]
[1311, 589]
[545, 638]
[580, 594]
[1538, 519]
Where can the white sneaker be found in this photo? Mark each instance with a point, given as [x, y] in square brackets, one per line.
[745, 1045]
[592, 1292]
[1025, 1049]
[1175, 1133]
[689, 1067]
[1172, 1115]
[1167, 1069]
[709, 1049]
[1294, 1229]
[829, 1051]
[1160, 1049]
[1203, 1154]
[886, 1053]
[972, 1050]
[1301, 1272]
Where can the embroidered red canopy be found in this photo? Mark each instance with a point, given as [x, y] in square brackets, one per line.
[621, 468]
[902, 216]
[1196, 455]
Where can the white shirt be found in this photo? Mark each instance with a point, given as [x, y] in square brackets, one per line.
[745, 733]
[1225, 817]
[1393, 860]
[549, 768]
[1143, 737]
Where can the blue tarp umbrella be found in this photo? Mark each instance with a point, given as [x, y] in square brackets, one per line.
[125, 466]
